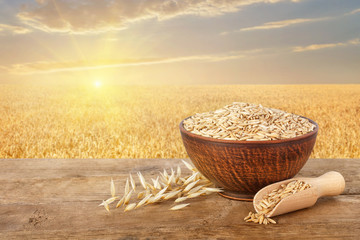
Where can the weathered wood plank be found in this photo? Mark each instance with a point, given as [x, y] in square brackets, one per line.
[58, 198]
[60, 168]
[39, 180]
[349, 168]
[208, 217]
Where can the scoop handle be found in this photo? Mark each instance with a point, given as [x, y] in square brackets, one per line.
[330, 184]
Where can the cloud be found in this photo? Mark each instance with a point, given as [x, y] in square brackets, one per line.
[354, 11]
[92, 16]
[286, 23]
[71, 66]
[13, 29]
[314, 47]
[282, 24]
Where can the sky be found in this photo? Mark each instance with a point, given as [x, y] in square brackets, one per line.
[180, 41]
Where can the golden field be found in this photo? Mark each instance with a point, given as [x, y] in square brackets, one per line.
[65, 121]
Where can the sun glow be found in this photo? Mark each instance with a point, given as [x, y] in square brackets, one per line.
[97, 84]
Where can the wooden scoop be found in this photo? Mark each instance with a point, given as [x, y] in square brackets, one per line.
[329, 184]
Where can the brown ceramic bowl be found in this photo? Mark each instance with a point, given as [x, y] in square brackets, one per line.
[242, 168]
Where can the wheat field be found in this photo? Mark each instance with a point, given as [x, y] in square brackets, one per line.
[68, 121]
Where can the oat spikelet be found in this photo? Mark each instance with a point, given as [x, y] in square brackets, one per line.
[190, 186]
[181, 199]
[189, 166]
[178, 172]
[157, 197]
[163, 190]
[112, 188]
[141, 195]
[108, 201]
[191, 178]
[194, 195]
[171, 178]
[127, 198]
[166, 175]
[111, 200]
[162, 178]
[157, 184]
[129, 207]
[195, 189]
[148, 185]
[171, 194]
[133, 185]
[142, 180]
[120, 202]
[180, 206]
[127, 187]
[150, 200]
[106, 206]
[215, 190]
[143, 201]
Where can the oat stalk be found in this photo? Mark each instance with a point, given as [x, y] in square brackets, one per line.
[166, 186]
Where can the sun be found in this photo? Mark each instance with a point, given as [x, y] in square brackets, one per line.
[97, 84]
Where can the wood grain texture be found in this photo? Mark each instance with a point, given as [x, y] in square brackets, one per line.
[58, 198]
[244, 167]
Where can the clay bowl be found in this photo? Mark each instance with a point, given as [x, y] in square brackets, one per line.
[242, 168]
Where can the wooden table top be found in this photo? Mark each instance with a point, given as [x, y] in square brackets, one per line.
[58, 198]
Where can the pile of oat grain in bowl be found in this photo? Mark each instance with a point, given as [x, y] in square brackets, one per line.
[248, 122]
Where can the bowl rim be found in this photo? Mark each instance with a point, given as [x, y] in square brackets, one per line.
[216, 140]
